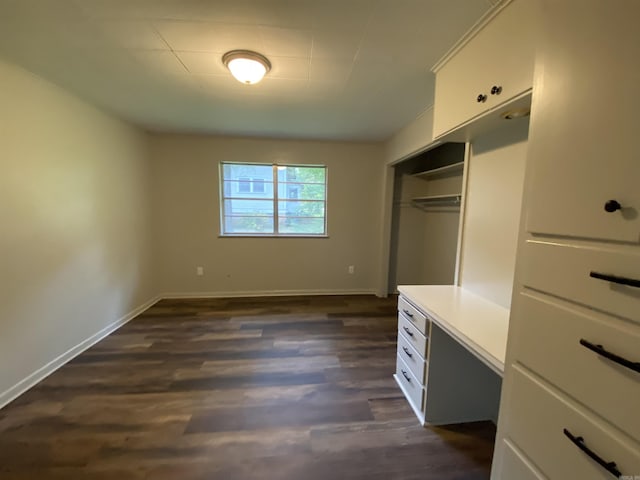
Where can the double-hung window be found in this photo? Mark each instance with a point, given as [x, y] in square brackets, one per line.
[273, 200]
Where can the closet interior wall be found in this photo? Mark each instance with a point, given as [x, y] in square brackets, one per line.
[424, 238]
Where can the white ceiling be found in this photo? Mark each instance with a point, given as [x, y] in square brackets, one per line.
[342, 69]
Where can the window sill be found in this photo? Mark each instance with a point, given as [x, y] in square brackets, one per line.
[270, 236]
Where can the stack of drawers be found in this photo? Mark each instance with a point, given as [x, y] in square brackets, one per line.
[575, 389]
[413, 348]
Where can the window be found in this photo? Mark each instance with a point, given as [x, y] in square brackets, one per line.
[273, 200]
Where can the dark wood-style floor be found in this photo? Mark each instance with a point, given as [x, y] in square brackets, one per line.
[255, 388]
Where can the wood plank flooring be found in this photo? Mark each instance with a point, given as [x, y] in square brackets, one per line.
[237, 389]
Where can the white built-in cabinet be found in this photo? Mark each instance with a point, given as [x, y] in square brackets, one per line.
[492, 68]
[571, 390]
[571, 386]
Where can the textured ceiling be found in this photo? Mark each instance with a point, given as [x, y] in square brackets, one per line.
[342, 69]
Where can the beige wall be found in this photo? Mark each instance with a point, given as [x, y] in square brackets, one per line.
[410, 139]
[492, 216]
[187, 219]
[75, 226]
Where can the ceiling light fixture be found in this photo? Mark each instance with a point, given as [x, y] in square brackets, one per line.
[248, 67]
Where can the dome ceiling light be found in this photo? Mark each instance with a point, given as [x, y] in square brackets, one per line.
[246, 66]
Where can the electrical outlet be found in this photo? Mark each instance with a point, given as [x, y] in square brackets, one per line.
[352, 269]
[200, 271]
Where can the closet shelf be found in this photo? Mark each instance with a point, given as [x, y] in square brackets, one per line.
[447, 169]
[437, 201]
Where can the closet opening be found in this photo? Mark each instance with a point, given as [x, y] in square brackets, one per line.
[428, 200]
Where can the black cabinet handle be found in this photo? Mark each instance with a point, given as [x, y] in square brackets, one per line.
[407, 313]
[579, 442]
[629, 282]
[599, 349]
[406, 350]
[481, 98]
[612, 205]
[407, 377]
[496, 90]
[409, 332]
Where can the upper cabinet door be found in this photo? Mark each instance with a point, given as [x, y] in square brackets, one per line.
[495, 66]
[584, 140]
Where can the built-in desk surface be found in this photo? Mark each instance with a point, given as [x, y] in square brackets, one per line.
[478, 324]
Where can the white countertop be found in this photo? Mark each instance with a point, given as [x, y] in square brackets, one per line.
[477, 323]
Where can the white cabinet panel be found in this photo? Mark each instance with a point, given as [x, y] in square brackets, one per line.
[501, 54]
[547, 339]
[537, 425]
[565, 270]
[515, 466]
[584, 133]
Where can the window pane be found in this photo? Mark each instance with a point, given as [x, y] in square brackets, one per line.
[254, 208]
[301, 226]
[302, 174]
[246, 188]
[240, 176]
[300, 209]
[241, 224]
[303, 191]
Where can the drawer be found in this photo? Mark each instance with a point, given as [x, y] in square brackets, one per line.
[547, 338]
[536, 421]
[418, 318]
[564, 270]
[412, 388]
[515, 466]
[413, 335]
[411, 357]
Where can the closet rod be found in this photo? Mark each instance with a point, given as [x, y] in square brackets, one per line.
[437, 201]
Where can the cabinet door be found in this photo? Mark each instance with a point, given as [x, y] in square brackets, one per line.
[501, 54]
[583, 144]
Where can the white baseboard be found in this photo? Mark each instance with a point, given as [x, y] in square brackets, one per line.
[25, 384]
[263, 293]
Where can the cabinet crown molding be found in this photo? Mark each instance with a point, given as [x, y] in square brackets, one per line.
[472, 32]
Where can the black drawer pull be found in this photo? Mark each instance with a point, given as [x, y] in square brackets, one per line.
[407, 313]
[406, 350]
[409, 332]
[599, 349]
[407, 377]
[630, 282]
[579, 442]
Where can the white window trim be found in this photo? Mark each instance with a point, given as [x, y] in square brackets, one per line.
[276, 200]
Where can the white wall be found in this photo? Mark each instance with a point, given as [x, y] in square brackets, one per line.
[411, 138]
[75, 226]
[492, 216]
[187, 218]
